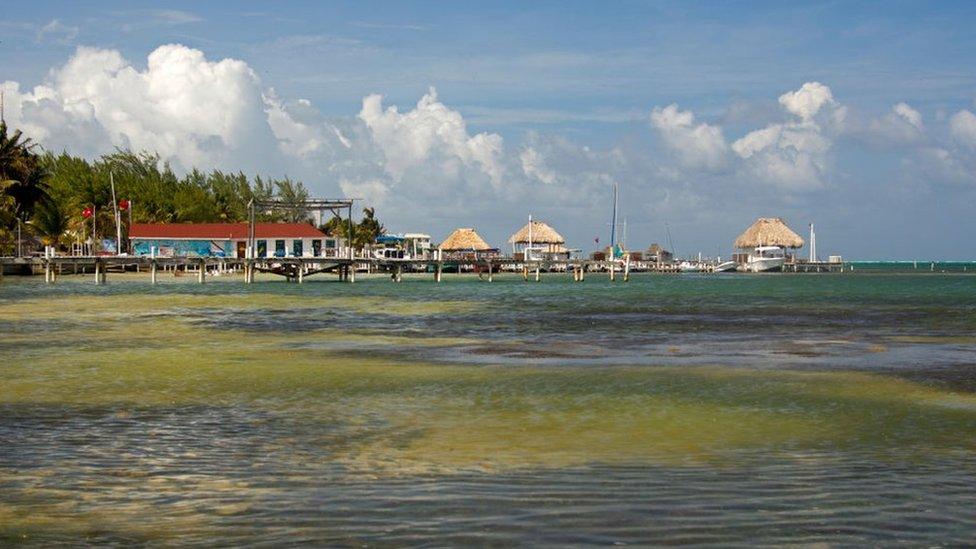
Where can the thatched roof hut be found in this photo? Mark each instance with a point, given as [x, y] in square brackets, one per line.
[769, 231]
[541, 234]
[464, 239]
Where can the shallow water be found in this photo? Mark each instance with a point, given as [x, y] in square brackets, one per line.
[685, 409]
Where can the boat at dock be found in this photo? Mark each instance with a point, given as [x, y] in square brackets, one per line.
[765, 259]
[725, 267]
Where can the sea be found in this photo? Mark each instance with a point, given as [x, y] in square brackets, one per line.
[725, 409]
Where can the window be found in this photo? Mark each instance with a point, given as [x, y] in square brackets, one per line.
[262, 248]
[330, 243]
[279, 248]
[297, 247]
[316, 247]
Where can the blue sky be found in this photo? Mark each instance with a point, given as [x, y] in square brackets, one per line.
[539, 108]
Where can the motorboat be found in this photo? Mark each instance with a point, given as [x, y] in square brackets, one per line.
[689, 267]
[765, 259]
[725, 267]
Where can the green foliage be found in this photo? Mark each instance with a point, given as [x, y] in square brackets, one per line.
[50, 222]
[50, 191]
[368, 229]
[364, 233]
[24, 178]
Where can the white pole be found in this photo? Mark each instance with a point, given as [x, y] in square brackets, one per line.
[118, 219]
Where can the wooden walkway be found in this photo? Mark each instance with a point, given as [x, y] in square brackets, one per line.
[297, 269]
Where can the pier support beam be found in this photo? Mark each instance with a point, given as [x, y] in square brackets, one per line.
[152, 271]
[627, 269]
[438, 271]
[489, 271]
[525, 273]
[301, 274]
[203, 271]
[613, 273]
[352, 272]
[537, 279]
[99, 273]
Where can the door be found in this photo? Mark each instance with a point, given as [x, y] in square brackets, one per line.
[241, 248]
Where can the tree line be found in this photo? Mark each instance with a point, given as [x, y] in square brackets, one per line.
[51, 196]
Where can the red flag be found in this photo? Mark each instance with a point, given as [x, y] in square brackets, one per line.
[123, 204]
[87, 212]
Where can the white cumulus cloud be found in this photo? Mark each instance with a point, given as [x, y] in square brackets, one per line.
[696, 145]
[962, 125]
[534, 165]
[807, 101]
[188, 109]
[431, 132]
[793, 155]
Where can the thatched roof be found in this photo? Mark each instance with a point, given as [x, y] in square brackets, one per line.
[541, 234]
[464, 239]
[769, 231]
[656, 248]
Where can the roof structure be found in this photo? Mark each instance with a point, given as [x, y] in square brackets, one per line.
[656, 248]
[221, 231]
[769, 231]
[541, 234]
[464, 239]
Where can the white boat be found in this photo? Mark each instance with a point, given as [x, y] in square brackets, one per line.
[725, 267]
[689, 267]
[765, 259]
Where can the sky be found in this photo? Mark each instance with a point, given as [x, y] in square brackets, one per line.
[858, 117]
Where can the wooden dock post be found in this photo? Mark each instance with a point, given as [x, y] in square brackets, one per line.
[47, 268]
[525, 273]
[203, 271]
[627, 269]
[99, 273]
[352, 272]
[152, 271]
[537, 272]
[438, 270]
[301, 273]
[489, 271]
[613, 274]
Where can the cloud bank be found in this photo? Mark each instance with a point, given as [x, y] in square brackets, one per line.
[425, 165]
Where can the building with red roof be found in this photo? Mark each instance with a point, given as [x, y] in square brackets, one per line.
[230, 240]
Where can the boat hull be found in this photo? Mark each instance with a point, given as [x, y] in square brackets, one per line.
[765, 264]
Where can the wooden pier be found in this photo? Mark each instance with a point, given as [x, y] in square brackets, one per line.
[299, 269]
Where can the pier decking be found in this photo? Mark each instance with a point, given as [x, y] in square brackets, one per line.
[297, 269]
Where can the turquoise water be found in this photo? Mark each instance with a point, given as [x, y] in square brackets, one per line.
[722, 409]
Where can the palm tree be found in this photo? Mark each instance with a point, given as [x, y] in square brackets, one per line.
[50, 222]
[24, 179]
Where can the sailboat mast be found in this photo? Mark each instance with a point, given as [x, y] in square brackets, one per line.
[613, 222]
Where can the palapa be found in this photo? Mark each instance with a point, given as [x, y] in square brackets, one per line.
[464, 239]
[541, 234]
[769, 231]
